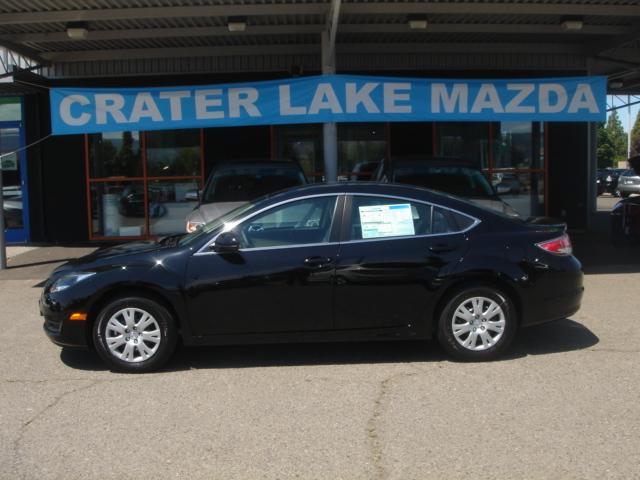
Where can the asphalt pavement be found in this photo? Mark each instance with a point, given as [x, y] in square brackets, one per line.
[562, 404]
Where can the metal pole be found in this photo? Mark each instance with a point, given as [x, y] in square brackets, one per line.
[3, 246]
[329, 130]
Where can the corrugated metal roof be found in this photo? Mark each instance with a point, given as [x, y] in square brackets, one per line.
[473, 31]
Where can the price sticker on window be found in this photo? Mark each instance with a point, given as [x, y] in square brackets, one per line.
[386, 220]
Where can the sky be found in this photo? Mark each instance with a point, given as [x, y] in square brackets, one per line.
[623, 112]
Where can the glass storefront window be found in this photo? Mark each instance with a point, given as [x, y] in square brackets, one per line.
[135, 205]
[302, 144]
[361, 148]
[115, 154]
[117, 209]
[11, 178]
[170, 201]
[516, 145]
[10, 109]
[464, 140]
[173, 153]
[523, 191]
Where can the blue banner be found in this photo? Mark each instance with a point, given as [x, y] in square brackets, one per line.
[328, 98]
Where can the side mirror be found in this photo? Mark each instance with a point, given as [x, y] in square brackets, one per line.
[227, 242]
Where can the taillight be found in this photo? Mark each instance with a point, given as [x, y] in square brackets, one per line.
[557, 246]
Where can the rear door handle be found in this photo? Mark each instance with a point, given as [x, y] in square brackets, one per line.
[317, 262]
[441, 248]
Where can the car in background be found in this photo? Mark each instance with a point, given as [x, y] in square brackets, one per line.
[607, 180]
[345, 261]
[628, 183]
[233, 184]
[448, 175]
[507, 184]
[625, 215]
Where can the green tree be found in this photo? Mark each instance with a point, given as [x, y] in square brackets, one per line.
[635, 137]
[617, 136]
[605, 150]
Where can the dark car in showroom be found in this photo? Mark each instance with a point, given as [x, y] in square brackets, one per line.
[449, 175]
[346, 261]
[234, 183]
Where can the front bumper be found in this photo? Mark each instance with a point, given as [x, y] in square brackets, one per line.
[58, 327]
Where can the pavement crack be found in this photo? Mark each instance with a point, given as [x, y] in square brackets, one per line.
[379, 409]
[16, 443]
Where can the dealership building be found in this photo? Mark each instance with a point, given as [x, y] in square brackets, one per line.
[95, 185]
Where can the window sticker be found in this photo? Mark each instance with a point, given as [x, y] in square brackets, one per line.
[386, 220]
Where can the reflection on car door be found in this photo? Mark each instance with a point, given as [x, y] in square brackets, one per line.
[279, 281]
[385, 278]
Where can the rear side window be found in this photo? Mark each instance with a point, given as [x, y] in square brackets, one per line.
[382, 217]
[446, 221]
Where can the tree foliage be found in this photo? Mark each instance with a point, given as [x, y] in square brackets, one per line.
[635, 137]
[617, 136]
[605, 150]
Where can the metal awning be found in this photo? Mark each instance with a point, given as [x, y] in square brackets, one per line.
[133, 37]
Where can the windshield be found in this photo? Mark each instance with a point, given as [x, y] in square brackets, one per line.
[215, 224]
[246, 183]
[456, 180]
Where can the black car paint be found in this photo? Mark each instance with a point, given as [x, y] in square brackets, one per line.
[363, 290]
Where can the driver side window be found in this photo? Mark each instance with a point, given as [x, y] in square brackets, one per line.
[297, 223]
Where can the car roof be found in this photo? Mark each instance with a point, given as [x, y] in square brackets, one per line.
[412, 161]
[375, 188]
[256, 162]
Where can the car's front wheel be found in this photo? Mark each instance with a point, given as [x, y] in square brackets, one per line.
[477, 323]
[134, 334]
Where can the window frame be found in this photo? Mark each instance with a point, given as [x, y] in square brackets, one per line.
[338, 212]
[345, 231]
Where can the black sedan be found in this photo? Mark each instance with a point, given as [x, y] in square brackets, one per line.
[320, 263]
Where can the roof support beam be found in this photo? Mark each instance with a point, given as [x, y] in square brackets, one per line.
[256, 30]
[484, 8]
[312, 48]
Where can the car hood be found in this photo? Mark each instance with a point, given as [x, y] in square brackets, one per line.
[207, 212]
[110, 256]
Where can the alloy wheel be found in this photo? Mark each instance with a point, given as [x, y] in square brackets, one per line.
[478, 323]
[132, 335]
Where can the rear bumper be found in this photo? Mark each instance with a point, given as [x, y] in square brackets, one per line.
[554, 294]
[635, 188]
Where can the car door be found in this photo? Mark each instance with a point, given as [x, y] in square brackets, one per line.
[394, 254]
[280, 280]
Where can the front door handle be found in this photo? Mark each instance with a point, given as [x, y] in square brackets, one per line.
[442, 248]
[316, 262]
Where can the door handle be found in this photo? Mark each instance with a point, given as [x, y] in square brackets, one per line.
[316, 262]
[441, 248]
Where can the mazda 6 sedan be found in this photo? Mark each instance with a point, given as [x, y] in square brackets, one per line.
[320, 263]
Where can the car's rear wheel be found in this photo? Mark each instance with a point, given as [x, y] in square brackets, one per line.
[134, 334]
[477, 323]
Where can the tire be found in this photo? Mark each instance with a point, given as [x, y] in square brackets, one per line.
[120, 324]
[493, 333]
[624, 194]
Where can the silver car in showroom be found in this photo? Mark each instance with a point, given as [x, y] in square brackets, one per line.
[235, 183]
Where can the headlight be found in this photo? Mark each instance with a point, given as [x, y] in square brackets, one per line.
[69, 280]
[193, 226]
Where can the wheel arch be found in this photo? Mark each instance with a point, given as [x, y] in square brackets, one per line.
[480, 279]
[122, 291]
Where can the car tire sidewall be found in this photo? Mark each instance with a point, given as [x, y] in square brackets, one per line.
[445, 330]
[168, 334]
